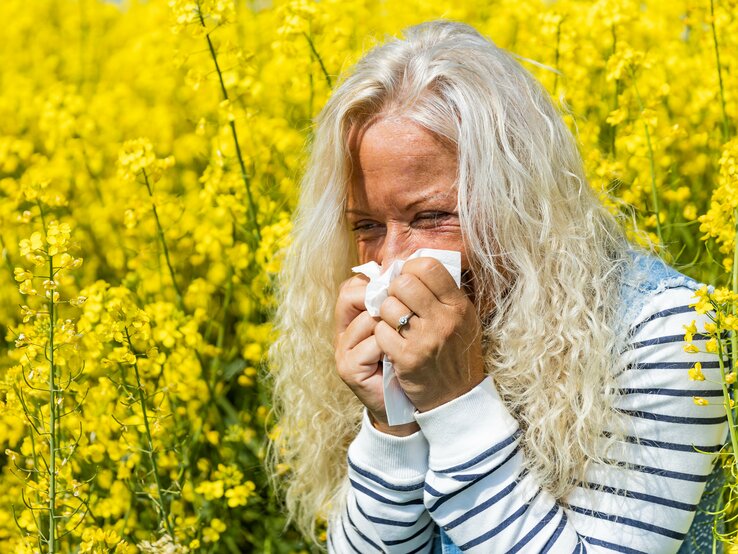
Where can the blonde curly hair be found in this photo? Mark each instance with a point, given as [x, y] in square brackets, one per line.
[524, 205]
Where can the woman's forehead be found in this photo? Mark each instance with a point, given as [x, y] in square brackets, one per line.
[395, 136]
[404, 176]
[404, 180]
[395, 156]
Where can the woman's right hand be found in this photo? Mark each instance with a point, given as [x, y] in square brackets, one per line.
[358, 357]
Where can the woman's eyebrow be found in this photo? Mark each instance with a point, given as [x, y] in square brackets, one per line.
[413, 204]
[357, 212]
[428, 199]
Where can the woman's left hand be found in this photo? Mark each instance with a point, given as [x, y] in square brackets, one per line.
[437, 356]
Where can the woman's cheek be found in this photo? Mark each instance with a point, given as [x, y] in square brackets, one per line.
[441, 238]
[365, 251]
[447, 239]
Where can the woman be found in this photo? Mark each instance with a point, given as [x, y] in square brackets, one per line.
[553, 408]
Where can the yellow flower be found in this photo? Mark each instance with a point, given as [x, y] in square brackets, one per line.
[690, 330]
[30, 246]
[700, 401]
[691, 349]
[50, 284]
[723, 295]
[617, 116]
[27, 313]
[213, 436]
[57, 236]
[690, 212]
[213, 531]
[719, 221]
[136, 155]
[238, 496]
[730, 378]
[26, 287]
[623, 61]
[679, 195]
[22, 274]
[78, 301]
[210, 489]
[218, 525]
[711, 345]
[703, 305]
[730, 322]
[695, 373]
[52, 295]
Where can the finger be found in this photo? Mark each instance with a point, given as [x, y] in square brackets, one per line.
[350, 301]
[360, 328]
[392, 309]
[389, 341]
[413, 293]
[367, 354]
[434, 275]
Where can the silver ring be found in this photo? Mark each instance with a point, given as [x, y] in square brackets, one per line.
[404, 320]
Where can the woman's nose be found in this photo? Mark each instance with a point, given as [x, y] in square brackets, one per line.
[396, 246]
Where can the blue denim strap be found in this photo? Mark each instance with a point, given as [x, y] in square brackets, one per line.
[442, 544]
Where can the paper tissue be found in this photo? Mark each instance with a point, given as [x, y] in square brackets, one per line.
[398, 406]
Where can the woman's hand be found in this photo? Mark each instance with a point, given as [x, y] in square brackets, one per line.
[437, 356]
[359, 357]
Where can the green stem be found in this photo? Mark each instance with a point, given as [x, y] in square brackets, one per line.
[320, 60]
[725, 127]
[734, 334]
[726, 395]
[35, 457]
[52, 421]
[651, 161]
[177, 291]
[236, 143]
[654, 193]
[160, 231]
[222, 330]
[162, 503]
[41, 213]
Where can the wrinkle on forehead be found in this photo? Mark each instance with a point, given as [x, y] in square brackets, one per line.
[398, 148]
[426, 143]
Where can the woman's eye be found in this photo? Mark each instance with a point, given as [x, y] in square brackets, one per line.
[432, 218]
[365, 226]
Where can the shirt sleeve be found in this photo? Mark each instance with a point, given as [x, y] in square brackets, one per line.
[478, 491]
[384, 509]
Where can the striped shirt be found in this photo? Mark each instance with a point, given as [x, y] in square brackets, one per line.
[463, 471]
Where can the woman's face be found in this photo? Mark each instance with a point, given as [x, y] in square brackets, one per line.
[402, 195]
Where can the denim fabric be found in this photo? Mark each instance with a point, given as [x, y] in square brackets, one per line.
[649, 275]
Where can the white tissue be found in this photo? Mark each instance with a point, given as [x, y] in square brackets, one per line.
[398, 406]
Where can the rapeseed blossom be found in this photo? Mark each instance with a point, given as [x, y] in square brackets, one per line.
[695, 373]
[720, 220]
[151, 152]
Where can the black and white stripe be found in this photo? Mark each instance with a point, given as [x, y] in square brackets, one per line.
[475, 487]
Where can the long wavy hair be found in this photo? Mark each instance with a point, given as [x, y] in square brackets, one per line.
[546, 259]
